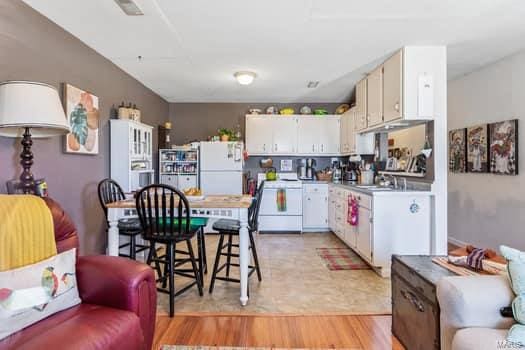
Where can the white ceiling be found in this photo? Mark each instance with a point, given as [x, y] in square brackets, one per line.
[190, 49]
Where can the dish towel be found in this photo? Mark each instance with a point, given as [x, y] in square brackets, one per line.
[352, 216]
[26, 231]
[281, 199]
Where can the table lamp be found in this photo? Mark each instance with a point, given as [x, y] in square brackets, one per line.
[30, 110]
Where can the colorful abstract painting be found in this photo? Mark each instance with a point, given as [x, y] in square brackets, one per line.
[477, 149]
[457, 146]
[504, 147]
[82, 110]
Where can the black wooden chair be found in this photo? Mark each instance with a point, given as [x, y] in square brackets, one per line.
[229, 228]
[109, 191]
[165, 216]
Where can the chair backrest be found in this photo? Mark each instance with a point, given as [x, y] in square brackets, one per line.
[253, 211]
[164, 212]
[109, 191]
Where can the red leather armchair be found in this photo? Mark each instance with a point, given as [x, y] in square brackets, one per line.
[119, 300]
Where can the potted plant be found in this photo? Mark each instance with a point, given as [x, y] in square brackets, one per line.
[225, 134]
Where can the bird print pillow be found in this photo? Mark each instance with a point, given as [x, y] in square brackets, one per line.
[31, 293]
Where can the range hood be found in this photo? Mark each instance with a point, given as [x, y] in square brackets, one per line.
[394, 125]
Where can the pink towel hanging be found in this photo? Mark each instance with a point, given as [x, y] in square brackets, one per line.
[353, 211]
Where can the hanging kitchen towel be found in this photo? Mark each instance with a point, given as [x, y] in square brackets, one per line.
[352, 215]
[281, 199]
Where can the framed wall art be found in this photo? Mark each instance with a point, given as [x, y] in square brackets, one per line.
[82, 111]
[503, 151]
[457, 149]
[477, 149]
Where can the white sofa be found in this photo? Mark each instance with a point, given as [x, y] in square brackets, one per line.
[470, 317]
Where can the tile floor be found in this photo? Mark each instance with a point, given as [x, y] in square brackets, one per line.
[295, 281]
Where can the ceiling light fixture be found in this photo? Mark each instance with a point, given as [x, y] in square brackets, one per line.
[129, 7]
[245, 77]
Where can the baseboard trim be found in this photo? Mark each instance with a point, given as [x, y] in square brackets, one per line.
[457, 242]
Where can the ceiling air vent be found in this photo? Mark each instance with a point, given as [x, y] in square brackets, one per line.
[129, 7]
[312, 84]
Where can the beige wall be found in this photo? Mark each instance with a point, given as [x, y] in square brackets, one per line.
[34, 48]
[488, 210]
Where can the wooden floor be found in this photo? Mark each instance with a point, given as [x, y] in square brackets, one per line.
[350, 332]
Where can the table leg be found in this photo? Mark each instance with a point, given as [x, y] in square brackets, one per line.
[113, 236]
[244, 254]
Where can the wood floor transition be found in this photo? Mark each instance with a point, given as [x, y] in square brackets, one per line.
[349, 332]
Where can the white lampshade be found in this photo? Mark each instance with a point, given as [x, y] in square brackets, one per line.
[30, 104]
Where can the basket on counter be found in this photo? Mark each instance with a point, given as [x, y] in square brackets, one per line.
[324, 175]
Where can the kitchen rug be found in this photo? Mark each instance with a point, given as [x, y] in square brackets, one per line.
[341, 259]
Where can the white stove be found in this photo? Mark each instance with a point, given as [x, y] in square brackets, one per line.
[271, 219]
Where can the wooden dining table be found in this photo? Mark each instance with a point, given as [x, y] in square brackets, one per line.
[212, 206]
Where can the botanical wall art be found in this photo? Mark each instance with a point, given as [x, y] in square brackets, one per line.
[477, 149]
[82, 110]
[503, 138]
[457, 150]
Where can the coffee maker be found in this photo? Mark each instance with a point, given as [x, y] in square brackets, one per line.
[306, 169]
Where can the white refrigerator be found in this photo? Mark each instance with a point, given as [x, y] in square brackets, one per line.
[221, 167]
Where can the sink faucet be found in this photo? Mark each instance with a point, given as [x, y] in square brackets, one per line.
[394, 181]
[404, 183]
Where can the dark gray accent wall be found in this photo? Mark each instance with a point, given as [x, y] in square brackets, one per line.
[34, 48]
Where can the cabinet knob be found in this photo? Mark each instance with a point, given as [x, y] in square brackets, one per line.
[396, 106]
[276, 147]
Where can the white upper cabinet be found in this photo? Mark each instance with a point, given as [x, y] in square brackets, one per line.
[361, 105]
[318, 135]
[393, 87]
[284, 135]
[375, 97]
[345, 133]
[329, 140]
[308, 130]
[259, 134]
[404, 87]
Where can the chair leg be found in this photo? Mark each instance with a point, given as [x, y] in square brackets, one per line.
[171, 278]
[196, 271]
[255, 258]
[204, 250]
[152, 254]
[166, 268]
[229, 257]
[216, 263]
[200, 255]
[133, 247]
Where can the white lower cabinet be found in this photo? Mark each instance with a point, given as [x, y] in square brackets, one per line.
[388, 223]
[315, 207]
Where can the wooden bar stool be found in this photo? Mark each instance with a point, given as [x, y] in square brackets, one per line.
[109, 191]
[228, 228]
[164, 214]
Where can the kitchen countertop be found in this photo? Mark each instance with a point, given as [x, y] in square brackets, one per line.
[354, 187]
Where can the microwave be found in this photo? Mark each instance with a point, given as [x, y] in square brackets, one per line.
[141, 178]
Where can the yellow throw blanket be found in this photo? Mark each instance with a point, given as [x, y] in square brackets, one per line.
[26, 231]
